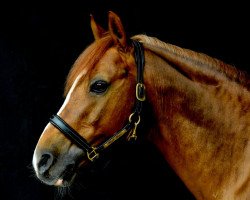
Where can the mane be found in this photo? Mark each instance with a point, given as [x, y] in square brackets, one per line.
[87, 59]
[199, 59]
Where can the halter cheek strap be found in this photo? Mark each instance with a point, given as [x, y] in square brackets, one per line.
[133, 121]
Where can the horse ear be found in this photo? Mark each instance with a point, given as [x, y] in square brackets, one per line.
[97, 30]
[116, 30]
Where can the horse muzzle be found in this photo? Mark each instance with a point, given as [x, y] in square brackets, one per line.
[57, 169]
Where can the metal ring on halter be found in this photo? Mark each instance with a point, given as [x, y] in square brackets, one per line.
[136, 122]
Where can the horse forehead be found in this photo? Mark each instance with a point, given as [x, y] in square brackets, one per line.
[111, 63]
[110, 57]
[107, 65]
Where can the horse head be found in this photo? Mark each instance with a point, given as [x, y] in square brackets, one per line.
[100, 95]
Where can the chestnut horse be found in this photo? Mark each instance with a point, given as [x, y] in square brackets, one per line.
[200, 118]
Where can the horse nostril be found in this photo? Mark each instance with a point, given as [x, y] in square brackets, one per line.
[45, 162]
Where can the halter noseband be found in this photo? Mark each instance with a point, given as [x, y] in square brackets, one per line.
[130, 127]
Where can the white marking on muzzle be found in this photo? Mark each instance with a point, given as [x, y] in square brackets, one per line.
[35, 158]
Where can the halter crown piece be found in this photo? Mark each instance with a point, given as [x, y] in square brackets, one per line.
[130, 127]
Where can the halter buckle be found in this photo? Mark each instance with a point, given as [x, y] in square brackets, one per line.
[92, 155]
[140, 92]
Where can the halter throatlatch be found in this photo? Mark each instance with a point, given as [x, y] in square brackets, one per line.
[130, 127]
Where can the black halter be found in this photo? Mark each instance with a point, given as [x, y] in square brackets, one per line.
[130, 127]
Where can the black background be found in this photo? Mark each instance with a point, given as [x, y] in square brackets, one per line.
[39, 42]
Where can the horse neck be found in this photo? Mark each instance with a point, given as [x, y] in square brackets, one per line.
[171, 95]
[191, 120]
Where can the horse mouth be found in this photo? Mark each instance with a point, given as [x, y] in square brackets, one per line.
[67, 177]
[65, 181]
[69, 174]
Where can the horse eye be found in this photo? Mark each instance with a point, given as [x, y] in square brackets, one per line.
[99, 87]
